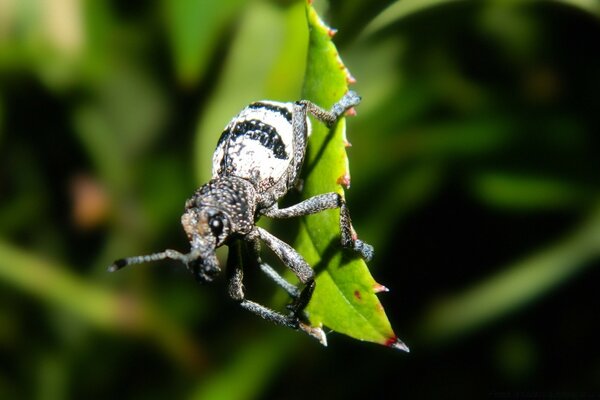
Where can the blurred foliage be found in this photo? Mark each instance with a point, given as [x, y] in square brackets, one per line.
[474, 174]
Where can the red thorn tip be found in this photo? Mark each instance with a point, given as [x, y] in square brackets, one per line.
[351, 112]
[331, 32]
[347, 144]
[378, 288]
[397, 344]
[350, 79]
[344, 180]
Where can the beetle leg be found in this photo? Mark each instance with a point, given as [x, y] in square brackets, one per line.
[304, 272]
[349, 100]
[292, 290]
[279, 280]
[301, 130]
[320, 203]
[236, 292]
[296, 263]
[288, 255]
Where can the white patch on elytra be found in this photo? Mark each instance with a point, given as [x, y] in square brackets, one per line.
[253, 161]
[248, 158]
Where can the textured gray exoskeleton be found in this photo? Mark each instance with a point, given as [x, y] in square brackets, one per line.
[258, 160]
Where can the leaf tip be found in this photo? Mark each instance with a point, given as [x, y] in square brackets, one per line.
[397, 344]
[378, 288]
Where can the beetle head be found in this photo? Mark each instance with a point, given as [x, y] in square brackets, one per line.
[207, 228]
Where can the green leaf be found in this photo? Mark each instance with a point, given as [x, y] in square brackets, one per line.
[344, 298]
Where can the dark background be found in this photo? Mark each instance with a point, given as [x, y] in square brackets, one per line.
[474, 174]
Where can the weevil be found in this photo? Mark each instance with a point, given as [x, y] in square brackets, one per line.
[258, 159]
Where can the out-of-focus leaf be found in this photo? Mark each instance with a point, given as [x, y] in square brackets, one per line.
[284, 81]
[52, 377]
[590, 6]
[124, 117]
[344, 299]
[1, 117]
[514, 286]
[46, 38]
[100, 25]
[404, 8]
[194, 29]
[405, 192]
[439, 141]
[379, 59]
[457, 138]
[519, 192]
[399, 10]
[246, 375]
[99, 307]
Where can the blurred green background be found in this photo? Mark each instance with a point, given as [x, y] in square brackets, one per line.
[475, 174]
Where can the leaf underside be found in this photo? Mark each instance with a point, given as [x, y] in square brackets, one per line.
[344, 299]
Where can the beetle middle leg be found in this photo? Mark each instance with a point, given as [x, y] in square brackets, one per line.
[320, 203]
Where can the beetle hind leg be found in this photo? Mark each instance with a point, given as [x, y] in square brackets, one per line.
[349, 100]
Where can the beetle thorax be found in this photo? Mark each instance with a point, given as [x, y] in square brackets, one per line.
[231, 196]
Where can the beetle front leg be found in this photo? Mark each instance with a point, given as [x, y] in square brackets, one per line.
[269, 271]
[304, 272]
[236, 292]
[296, 263]
[320, 203]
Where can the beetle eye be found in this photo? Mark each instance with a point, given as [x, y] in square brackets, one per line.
[216, 226]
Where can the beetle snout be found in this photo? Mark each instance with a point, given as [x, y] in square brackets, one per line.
[205, 268]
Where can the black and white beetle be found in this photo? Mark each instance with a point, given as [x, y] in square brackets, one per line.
[257, 161]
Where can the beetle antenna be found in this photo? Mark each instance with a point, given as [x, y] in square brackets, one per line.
[171, 254]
